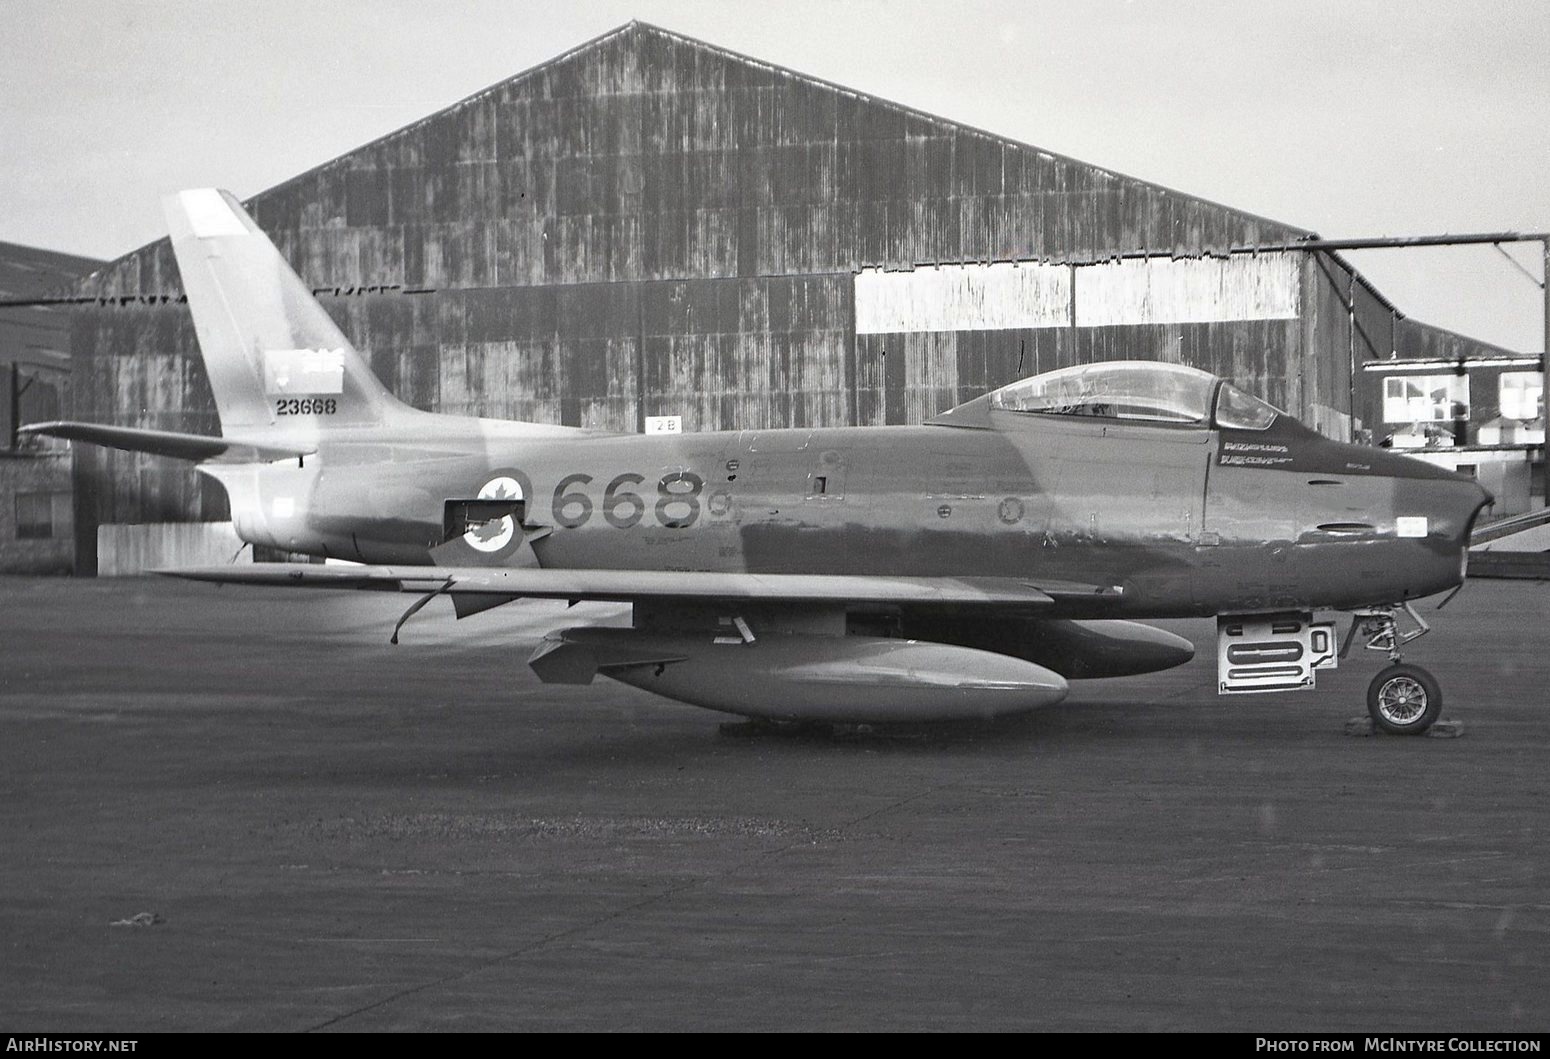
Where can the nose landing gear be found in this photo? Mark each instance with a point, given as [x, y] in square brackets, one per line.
[1402, 699]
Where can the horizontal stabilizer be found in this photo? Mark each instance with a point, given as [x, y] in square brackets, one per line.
[167, 443]
[631, 585]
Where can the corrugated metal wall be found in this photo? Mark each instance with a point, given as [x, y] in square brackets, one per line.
[127, 550]
[650, 225]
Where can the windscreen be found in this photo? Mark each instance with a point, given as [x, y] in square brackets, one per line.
[1237, 410]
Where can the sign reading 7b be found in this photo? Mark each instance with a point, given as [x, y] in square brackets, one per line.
[677, 505]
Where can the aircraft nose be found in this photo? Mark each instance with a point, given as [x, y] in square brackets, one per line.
[1442, 508]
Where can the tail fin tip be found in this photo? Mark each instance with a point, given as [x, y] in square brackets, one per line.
[208, 212]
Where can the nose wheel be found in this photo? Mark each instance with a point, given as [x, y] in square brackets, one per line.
[1402, 699]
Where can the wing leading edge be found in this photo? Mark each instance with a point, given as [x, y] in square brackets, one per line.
[631, 585]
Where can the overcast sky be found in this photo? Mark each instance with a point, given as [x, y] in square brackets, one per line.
[1350, 117]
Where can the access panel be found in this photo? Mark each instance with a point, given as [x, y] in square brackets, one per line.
[1272, 652]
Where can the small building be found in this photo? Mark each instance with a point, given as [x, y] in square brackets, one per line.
[36, 508]
[1479, 411]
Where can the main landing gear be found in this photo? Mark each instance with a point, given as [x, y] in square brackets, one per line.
[1402, 699]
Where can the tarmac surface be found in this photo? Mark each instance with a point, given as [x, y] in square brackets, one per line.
[336, 834]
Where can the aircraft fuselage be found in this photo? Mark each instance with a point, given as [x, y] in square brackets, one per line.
[1182, 520]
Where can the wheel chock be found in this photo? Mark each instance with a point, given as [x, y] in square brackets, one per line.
[1361, 726]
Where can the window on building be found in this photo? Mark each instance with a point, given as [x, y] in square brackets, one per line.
[34, 516]
[1522, 394]
[1425, 398]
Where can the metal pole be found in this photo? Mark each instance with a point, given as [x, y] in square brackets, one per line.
[1350, 352]
[16, 403]
[1392, 242]
[1544, 378]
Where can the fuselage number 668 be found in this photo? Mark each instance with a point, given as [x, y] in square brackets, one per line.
[677, 505]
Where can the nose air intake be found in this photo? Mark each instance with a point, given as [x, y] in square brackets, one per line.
[1485, 499]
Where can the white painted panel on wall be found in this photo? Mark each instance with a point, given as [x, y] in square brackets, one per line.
[1155, 290]
[1159, 290]
[963, 298]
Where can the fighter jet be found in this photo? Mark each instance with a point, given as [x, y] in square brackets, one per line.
[968, 567]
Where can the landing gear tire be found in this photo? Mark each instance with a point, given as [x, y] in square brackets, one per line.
[1404, 700]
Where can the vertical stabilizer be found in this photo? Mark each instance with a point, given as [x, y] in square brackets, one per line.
[276, 361]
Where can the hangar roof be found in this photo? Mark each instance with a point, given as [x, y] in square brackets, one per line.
[636, 32]
[446, 201]
[638, 59]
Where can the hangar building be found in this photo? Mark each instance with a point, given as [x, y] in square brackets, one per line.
[649, 225]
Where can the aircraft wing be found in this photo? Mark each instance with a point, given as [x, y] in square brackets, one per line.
[631, 585]
[166, 442]
[1495, 531]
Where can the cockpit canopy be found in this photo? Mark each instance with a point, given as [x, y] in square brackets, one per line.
[1137, 390]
